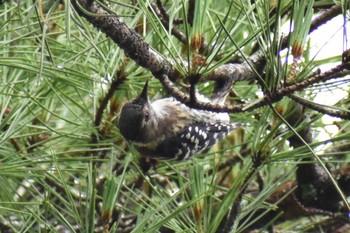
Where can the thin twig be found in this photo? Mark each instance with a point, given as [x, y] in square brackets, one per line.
[227, 222]
[190, 14]
[164, 19]
[343, 114]
[336, 72]
[165, 15]
[117, 81]
[119, 78]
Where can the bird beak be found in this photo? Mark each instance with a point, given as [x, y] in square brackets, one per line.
[144, 93]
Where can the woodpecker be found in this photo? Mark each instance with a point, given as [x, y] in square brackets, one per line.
[168, 129]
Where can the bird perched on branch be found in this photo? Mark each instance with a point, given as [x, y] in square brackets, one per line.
[168, 129]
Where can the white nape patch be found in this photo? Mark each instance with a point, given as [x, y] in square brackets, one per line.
[160, 107]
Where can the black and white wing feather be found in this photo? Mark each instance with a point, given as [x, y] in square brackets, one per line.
[192, 140]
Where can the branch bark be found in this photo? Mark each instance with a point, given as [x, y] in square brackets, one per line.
[126, 38]
[137, 49]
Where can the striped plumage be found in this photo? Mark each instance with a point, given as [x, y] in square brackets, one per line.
[168, 129]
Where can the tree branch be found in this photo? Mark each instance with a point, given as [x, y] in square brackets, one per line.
[336, 72]
[137, 49]
[126, 38]
[344, 114]
[164, 19]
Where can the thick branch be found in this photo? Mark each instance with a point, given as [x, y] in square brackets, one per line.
[126, 38]
[336, 72]
[248, 70]
[135, 47]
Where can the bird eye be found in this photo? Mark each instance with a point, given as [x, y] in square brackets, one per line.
[146, 116]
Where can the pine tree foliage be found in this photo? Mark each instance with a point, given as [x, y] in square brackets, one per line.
[67, 67]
